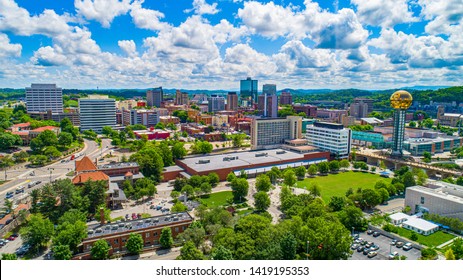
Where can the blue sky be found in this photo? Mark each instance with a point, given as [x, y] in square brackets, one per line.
[204, 44]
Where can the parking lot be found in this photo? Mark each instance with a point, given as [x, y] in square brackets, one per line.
[384, 249]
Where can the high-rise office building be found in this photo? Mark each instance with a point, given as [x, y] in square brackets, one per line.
[272, 132]
[286, 98]
[181, 98]
[96, 111]
[154, 97]
[216, 103]
[232, 101]
[248, 92]
[400, 101]
[367, 101]
[44, 97]
[147, 118]
[330, 137]
[359, 110]
[267, 105]
[269, 89]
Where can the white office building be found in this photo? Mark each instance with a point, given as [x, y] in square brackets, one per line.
[216, 103]
[267, 133]
[440, 198]
[97, 111]
[330, 137]
[145, 117]
[44, 97]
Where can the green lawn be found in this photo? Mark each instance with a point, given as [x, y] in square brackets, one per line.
[434, 239]
[338, 184]
[216, 199]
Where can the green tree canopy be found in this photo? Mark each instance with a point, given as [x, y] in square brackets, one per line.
[100, 250]
[263, 183]
[190, 252]
[261, 201]
[38, 231]
[134, 243]
[166, 239]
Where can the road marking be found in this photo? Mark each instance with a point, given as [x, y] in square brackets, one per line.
[14, 187]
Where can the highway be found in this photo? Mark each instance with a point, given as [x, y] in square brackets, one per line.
[23, 175]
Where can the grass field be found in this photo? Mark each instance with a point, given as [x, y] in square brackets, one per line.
[434, 239]
[338, 184]
[216, 199]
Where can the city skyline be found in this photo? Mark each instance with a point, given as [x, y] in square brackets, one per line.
[203, 44]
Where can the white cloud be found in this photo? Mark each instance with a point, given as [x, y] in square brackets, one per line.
[147, 18]
[103, 11]
[200, 7]
[129, 47]
[384, 13]
[340, 30]
[444, 15]
[48, 56]
[7, 49]
[18, 21]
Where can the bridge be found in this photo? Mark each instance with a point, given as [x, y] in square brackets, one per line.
[374, 159]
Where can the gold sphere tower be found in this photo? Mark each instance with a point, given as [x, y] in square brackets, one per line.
[401, 100]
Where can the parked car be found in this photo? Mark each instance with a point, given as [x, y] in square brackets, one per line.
[393, 255]
[374, 247]
[369, 232]
[354, 246]
[369, 244]
[366, 251]
[399, 244]
[372, 254]
[360, 248]
[376, 234]
[393, 242]
[407, 246]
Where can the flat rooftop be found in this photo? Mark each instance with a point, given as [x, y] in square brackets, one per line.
[242, 160]
[118, 165]
[420, 224]
[454, 195]
[139, 224]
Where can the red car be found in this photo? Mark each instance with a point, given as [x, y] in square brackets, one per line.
[11, 238]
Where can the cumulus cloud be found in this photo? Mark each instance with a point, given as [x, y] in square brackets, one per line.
[384, 13]
[129, 47]
[7, 49]
[147, 18]
[445, 16]
[48, 56]
[17, 20]
[103, 11]
[340, 30]
[200, 7]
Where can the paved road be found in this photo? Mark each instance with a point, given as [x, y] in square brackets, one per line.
[384, 248]
[11, 246]
[22, 176]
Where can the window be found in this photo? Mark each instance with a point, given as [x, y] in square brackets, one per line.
[116, 241]
[176, 229]
[147, 235]
[155, 233]
[422, 200]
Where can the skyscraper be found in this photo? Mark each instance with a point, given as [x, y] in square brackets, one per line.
[216, 103]
[400, 101]
[232, 101]
[44, 97]
[267, 105]
[248, 92]
[96, 111]
[286, 98]
[181, 98]
[272, 132]
[155, 97]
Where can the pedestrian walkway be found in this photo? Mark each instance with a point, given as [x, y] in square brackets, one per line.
[448, 242]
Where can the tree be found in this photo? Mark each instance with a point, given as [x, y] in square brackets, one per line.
[160, 125]
[206, 188]
[334, 165]
[231, 176]
[427, 156]
[38, 231]
[312, 170]
[100, 250]
[178, 207]
[315, 190]
[337, 203]
[61, 252]
[449, 255]
[150, 162]
[428, 123]
[344, 164]
[179, 183]
[166, 153]
[188, 190]
[412, 124]
[95, 192]
[65, 139]
[459, 180]
[352, 217]
[371, 198]
[243, 174]
[144, 186]
[428, 254]
[414, 236]
[221, 253]
[240, 187]
[72, 229]
[289, 177]
[178, 151]
[195, 233]
[263, 183]
[44, 139]
[166, 239]
[261, 201]
[382, 165]
[323, 167]
[190, 252]
[384, 194]
[134, 244]
[8, 140]
[300, 172]
[51, 152]
[237, 140]
[6, 161]
[107, 131]
[408, 179]
[457, 248]
[201, 147]
[213, 179]
[20, 156]
[9, 257]
[288, 246]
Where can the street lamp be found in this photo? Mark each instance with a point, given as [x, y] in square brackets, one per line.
[307, 255]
